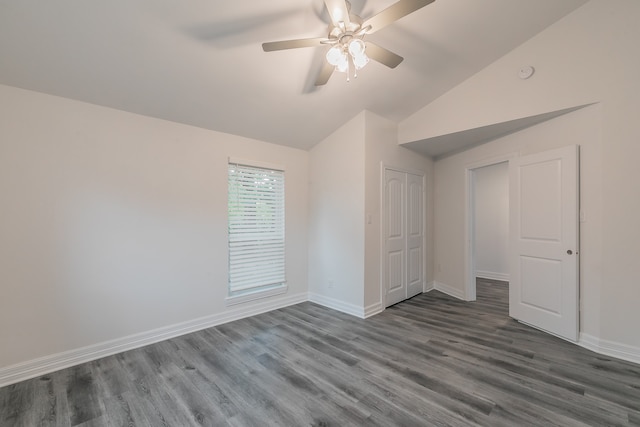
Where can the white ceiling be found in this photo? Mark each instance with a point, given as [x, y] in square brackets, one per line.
[201, 63]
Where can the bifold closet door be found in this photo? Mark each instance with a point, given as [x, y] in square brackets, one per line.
[403, 235]
[415, 235]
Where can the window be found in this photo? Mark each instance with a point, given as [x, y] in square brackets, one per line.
[256, 232]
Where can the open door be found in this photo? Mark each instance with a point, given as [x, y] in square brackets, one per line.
[543, 290]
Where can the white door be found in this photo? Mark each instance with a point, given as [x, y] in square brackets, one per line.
[395, 236]
[415, 236]
[543, 290]
[403, 235]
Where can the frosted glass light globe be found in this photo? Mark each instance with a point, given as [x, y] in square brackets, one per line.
[356, 47]
[343, 64]
[360, 61]
[335, 55]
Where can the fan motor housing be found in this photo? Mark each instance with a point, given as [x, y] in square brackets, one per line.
[335, 32]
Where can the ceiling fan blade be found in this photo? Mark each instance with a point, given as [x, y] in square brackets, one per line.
[231, 29]
[393, 13]
[293, 44]
[338, 11]
[325, 74]
[383, 55]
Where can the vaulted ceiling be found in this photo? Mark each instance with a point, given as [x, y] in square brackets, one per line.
[201, 62]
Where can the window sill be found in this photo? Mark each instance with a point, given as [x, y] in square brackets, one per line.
[251, 296]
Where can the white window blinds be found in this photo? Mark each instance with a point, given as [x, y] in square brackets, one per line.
[256, 228]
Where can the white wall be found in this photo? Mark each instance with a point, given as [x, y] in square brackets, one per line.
[344, 251]
[590, 55]
[114, 224]
[382, 148]
[492, 221]
[336, 222]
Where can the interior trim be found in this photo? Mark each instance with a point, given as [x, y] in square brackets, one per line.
[609, 348]
[449, 290]
[338, 305]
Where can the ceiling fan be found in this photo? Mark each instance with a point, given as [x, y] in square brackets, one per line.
[346, 38]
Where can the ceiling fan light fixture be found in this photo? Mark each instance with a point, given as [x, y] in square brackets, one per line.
[335, 55]
[356, 47]
[346, 37]
[343, 65]
[360, 61]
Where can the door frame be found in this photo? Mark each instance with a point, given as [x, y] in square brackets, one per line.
[383, 168]
[470, 227]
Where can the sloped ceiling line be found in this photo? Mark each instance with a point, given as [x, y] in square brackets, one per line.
[440, 146]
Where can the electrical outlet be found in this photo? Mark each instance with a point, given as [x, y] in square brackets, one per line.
[439, 268]
[330, 284]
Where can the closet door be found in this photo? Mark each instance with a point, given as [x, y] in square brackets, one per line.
[415, 235]
[395, 237]
[403, 235]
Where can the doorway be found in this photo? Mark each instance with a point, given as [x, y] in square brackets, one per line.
[543, 239]
[491, 222]
[487, 229]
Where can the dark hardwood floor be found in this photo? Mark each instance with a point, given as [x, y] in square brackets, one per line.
[431, 360]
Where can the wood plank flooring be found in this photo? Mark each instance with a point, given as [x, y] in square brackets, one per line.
[431, 360]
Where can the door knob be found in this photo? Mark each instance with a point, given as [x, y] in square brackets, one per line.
[570, 252]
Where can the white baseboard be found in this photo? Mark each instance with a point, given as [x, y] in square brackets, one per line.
[449, 290]
[428, 287]
[338, 305]
[45, 365]
[610, 348]
[373, 309]
[492, 275]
